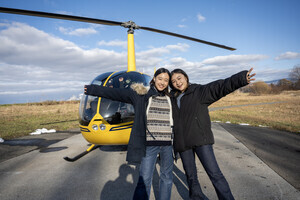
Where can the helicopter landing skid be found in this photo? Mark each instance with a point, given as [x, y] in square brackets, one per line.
[91, 148]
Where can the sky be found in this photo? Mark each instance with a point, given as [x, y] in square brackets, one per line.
[50, 59]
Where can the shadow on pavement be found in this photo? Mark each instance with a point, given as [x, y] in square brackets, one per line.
[123, 187]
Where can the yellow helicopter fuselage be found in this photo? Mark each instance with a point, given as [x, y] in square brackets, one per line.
[107, 122]
[113, 135]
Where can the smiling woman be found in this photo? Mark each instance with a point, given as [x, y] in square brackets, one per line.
[151, 131]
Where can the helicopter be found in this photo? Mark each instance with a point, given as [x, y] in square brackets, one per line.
[103, 121]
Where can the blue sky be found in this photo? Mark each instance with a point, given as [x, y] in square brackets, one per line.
[50, 59]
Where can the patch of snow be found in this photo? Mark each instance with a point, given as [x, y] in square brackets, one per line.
[244, 124]
[43, 130]
[262, 126]
[1, 140]
[228, 122]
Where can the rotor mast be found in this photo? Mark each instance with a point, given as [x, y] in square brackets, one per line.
[130, 44]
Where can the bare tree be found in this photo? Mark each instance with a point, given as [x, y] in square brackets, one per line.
[295, 73]
[295, 77]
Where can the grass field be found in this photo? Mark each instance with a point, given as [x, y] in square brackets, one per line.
[281, 116]
[21, 119]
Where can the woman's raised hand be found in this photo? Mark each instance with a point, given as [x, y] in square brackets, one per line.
[249, 76]
[85, 89]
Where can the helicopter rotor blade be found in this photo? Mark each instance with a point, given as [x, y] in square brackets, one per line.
[130, 24]
[187, 37]
[59, 16]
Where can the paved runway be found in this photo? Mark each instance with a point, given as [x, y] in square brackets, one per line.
[104, 174]
[280, 150]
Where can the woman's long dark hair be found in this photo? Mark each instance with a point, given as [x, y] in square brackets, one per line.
[158, 72]
[178, 71]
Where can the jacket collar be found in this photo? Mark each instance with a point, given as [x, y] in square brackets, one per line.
[153, 92]
[191, 88]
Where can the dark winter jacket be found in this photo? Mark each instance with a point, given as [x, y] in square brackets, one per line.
[192, 125]
[138, 95]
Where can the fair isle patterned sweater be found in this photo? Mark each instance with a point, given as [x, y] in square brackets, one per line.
[159, 121]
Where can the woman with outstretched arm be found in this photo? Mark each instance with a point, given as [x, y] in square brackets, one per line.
[151, 132]
[192, 127]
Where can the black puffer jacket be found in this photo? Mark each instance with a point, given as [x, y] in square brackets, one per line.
[192, 125]
[138, 96]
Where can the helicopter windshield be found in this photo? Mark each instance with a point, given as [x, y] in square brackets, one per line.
[114, 112]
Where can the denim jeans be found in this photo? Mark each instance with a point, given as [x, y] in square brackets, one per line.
[206, 156]
[142, 190]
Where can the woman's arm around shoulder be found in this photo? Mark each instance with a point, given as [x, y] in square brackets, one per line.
[116, 94]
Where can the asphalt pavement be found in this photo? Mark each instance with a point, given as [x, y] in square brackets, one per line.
[41, 173]
[19, 146]
[280, 150]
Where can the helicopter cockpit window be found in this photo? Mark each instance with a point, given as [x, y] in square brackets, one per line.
[88, 109]
[97, 82]
[114, 112]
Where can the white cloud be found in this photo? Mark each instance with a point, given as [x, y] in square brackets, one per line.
[37, 91]
[233, 59]
[4, 25]
[113, 43]
[215, 68]
[162, 50]
[181, 26]
[51, 53]
[183, 20]
[65, 12]
[78, 31]
[34, 63]
[48, 64]
[182, 62]
[288, 56]
[200, 18]
[269, 73]
[74, 97]
[157, 56]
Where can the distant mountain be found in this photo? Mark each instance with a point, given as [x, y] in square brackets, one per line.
[273, 81]
[276, 81]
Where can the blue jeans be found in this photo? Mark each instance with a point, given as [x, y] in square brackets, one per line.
[206, 156]
[142, 190]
